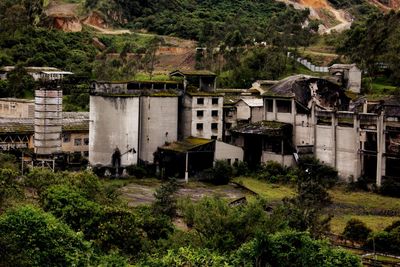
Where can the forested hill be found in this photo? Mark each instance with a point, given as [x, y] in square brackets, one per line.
[200, 19]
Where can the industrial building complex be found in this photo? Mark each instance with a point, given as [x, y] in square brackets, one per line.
[183, 125]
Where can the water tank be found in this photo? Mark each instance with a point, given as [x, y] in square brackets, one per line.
[48, 121]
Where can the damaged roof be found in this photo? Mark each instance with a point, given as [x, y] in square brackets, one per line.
[193, 73]
[72, 121]
[269, 128]
[301, 87]
[187, 144]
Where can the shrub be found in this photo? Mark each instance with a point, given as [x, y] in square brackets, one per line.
[31, 237]
[356, 230]
[165, 203]
[41, 178]
[136, 171]
[390, 187]
[312, 169]
[272, 172]
[241, 168]
[10, 187]
[220, 174]
[72, 207]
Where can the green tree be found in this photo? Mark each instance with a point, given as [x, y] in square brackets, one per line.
[165, 199]
[31, 237]
[291, 248]
[20, 82]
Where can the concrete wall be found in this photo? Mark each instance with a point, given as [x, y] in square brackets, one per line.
[257, 114]
[285, 160]
[304, 130]
[114, 121]
[338, 150]
[243, 111]
[159, 124]
[190, 118]
[347, 145]
[16, 109]
[354, 80]
[224, 151]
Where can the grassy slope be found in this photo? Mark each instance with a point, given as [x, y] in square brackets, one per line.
[347, 205]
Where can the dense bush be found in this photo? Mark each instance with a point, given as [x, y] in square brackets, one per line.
[136, 171]
[220, 174]
[390, 187]
[290, 248]
[222, 227]
[10, 187]
[274, 172]
[387, 241]
[187, 256]
[31, 237]
[312, 169]
[356, 230]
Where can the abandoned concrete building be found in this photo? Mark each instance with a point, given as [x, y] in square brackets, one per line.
[349, 75]
[308, 115]
[18, 133]
[38, 73]
[142, 118]
[17, 108]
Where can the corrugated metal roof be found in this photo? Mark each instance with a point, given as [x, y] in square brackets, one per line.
[72, 121]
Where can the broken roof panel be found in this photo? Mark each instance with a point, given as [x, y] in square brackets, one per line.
[302, 87]
[193, 73]
[268, 128]
[187, 144]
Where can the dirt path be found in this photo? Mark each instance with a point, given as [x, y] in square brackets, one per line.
[108, 30]
[315, 5]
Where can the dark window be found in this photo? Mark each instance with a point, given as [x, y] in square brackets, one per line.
[214, 113]
[270, 105]
[86, 141]
[78, 142]
[86, 154]
[214, 126]
[66, 138]
[215, 101]
[228, 126]
[284, 106]
[199, 126]
[200, 101]
[229, 161]
[200, 113]
[213, 137]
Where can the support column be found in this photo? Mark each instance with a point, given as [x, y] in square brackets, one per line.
[333, 139]
[356, 125]
[294, 122]
[380, 148]
[274, 109]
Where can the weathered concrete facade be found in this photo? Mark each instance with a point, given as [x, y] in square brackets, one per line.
[202, 116]
[17, 108]
[114, 122]
[158, 124]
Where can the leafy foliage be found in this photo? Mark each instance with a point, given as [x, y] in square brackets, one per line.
[356, 230]
[373, 42]
[222, 227]
[207, 21]
[10, 187]
[165, 203]
[290, 248]
[31, 237]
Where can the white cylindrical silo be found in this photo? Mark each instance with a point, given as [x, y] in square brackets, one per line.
[48, 121]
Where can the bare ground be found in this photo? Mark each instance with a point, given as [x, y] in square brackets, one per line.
[139, 193]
